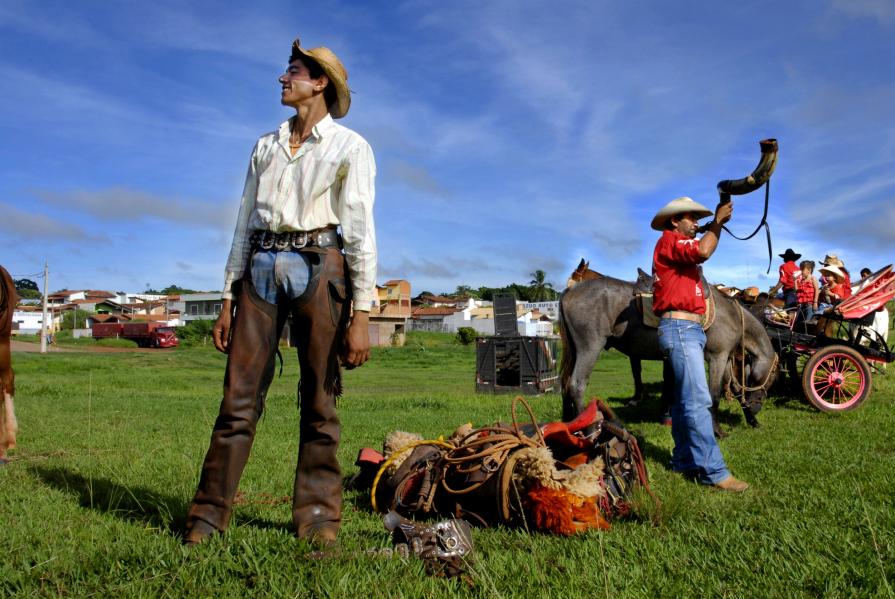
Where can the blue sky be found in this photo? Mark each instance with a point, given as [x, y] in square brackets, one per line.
[509, 135]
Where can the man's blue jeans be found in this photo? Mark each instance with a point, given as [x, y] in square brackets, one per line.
[280, 275]
[696, 453]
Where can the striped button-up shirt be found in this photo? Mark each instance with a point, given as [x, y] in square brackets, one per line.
[329, 181]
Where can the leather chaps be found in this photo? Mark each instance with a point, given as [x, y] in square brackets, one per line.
[320, 316]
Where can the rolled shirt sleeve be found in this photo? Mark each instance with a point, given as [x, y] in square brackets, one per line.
[684, 251]
[356, 199]
[239, 251]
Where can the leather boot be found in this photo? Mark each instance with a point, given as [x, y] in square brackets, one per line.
[250, 367]
[320, 322]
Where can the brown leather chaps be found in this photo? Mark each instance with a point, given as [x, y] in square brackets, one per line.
[320, 316]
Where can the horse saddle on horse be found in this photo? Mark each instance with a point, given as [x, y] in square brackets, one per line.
[643, 299]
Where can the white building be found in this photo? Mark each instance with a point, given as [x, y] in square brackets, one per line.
[28, 322]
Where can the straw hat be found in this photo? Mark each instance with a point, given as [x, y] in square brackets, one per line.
[680, 205]
[832, 260]
[832, 269]
[790, 255]
[334, 70]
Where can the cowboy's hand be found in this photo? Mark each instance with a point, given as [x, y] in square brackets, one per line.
[220, 333]
[357, 340]
[723, 212]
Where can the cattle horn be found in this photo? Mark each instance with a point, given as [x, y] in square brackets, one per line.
[759, 176]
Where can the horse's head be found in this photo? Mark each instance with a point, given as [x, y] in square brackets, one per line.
[582, 273]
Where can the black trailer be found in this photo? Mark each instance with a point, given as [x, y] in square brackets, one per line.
[512, 363]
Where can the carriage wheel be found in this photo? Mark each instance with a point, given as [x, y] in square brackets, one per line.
[836, 379]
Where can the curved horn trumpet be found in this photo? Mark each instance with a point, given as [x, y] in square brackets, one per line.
[759, 176]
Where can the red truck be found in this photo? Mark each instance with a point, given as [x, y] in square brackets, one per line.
[146, 334]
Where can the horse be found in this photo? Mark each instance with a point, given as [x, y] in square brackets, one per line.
[583, 272]
[602, 313]
[8, 425]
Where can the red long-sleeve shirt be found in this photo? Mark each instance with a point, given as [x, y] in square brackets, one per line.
[678, 282]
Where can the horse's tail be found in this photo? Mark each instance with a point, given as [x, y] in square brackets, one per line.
[568, 350]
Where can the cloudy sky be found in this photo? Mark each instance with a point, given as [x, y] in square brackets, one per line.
[509, 135]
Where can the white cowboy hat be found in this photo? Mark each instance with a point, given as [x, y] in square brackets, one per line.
[833, 270]
[680, 205]
[334, 70]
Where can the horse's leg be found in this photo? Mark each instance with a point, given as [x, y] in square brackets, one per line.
[7, 425]
[717, 368]
[12, 425]
[636, 374]
[586, 358]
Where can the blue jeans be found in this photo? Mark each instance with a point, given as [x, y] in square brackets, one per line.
[789, 298]
[280, 275]
[696, 451]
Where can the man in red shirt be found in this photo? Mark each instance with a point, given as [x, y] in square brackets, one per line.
[679, 301]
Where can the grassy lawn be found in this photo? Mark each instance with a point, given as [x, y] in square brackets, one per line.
[111, 444]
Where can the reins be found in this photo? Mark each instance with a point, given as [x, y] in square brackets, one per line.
[742, 350]
[762, 223]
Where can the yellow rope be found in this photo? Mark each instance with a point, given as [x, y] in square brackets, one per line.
[436, 442]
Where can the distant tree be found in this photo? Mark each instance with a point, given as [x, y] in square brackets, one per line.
[75, 319]
[486, 293]
[466, 291]
[27, 289]
[175, 290]
[539, 288]
[23, 284]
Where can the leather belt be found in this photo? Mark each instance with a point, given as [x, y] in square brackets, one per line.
[295, 240]
[682, 315]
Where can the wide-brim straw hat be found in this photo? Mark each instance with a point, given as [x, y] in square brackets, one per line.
[833, 270]
[832, 260]
[334, 70]
[680, 205]
[790, 255]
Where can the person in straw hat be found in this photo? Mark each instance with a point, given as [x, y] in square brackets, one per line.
[305, 247]
[789, 278]
[679, 301]
[837, 286]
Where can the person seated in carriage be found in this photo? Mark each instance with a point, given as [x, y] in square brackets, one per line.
[789, 278]
[807, 292]
[837, 287]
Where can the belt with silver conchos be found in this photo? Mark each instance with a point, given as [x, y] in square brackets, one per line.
[294, 240]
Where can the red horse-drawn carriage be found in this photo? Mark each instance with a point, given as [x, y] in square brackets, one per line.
[831, 358]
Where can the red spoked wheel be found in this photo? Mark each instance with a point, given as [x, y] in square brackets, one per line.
[836, 379]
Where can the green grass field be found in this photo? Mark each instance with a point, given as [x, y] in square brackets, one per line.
[110, 447]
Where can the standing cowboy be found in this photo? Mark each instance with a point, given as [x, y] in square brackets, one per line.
[789, 278]
[305, 179]
[679, 301]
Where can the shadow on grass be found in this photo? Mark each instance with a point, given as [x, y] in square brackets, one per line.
[134, 504]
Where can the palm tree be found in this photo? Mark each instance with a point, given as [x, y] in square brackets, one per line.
[540, 289]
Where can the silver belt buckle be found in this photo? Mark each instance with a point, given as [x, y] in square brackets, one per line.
[282, 242]
[299, 240]
[267, 240]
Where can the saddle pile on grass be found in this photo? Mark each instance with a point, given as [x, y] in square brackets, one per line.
[561, 478]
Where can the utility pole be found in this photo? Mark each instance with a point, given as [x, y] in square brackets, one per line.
[43, 326]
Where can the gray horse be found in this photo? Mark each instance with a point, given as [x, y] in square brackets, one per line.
[601, 314]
